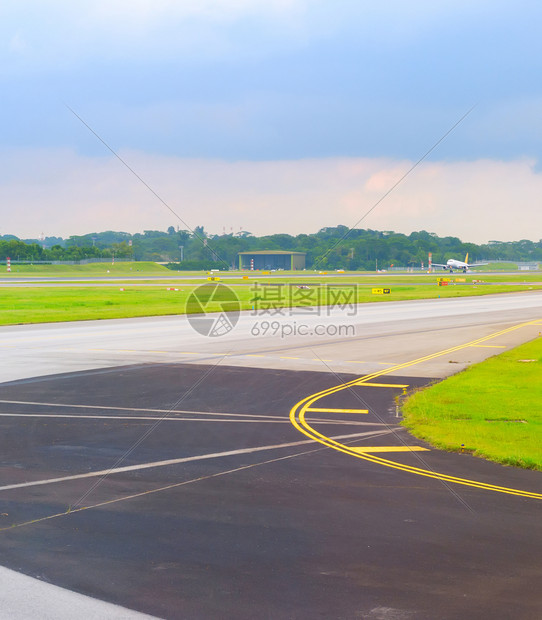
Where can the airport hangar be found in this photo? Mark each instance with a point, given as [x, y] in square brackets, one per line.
[271, 259]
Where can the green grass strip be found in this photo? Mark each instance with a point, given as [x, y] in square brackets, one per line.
[41, 304]
[128, 268]
[493, 408]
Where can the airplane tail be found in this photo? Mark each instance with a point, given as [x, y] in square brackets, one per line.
[467, 258]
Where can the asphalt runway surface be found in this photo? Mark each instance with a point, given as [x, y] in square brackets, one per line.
[180, 275]
[367, 280]
[253, 521]
[186, 486]
[374, 336]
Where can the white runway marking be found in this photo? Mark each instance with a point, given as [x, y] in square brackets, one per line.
[201, 457]
[143, 410]
[275, 420]
[168, 414]
[169, 487]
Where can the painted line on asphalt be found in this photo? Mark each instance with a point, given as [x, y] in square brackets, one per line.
[176, 419]
[382, 385]
[328, 410]
[390, 449]
[297, 417]
[142, 410]
[168, 487]
[188, 459]
[251, 417]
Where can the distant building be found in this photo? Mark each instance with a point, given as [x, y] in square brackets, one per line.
[272, 259]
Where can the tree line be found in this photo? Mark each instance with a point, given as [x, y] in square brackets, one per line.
[330, 248]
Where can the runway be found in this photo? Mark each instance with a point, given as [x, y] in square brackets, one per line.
[180, 275]
[376, 335]
[172, 474]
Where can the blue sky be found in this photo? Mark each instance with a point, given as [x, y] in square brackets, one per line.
[271, 116]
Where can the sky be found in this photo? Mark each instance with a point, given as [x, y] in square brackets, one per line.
[271, 116]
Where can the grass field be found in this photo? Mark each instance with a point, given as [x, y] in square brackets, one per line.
[493, 408]
[39, 304]
[89, 270]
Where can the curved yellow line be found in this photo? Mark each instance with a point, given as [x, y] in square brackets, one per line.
[297, 418]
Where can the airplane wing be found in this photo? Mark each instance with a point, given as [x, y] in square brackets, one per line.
[438, 265]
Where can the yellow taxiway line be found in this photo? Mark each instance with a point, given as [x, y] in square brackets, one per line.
[384, 385]
[364, 450]
[298, 411]
[328, 410]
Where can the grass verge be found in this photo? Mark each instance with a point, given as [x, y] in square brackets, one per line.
[101, 270]
[493, 408]
[45, 304]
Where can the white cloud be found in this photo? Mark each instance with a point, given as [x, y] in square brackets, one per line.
[17, 44]
[214, 9]
[56, 34]
[63, 33]
[62, 193]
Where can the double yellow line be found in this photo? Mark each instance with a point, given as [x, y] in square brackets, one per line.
[298, 419]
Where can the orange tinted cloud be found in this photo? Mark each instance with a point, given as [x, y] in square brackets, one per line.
[63, 193]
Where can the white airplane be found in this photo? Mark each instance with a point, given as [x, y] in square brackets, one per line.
[452, 264]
